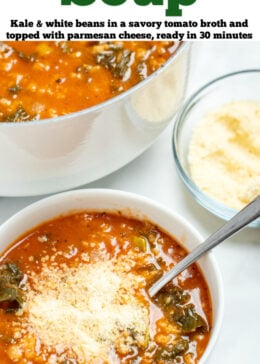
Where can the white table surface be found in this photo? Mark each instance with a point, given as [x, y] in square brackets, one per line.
[154, 175]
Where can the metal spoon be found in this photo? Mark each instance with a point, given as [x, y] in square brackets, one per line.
[248, 214]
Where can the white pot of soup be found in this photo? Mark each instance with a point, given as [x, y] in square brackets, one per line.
[72, 112]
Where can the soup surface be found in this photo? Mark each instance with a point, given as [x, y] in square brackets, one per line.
[74, 290]
[46, 79]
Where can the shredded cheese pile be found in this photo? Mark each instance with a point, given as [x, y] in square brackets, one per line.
[87, 310]
[224, 153]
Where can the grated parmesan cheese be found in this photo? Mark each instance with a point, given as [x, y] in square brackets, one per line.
[86, 310]
[224, 154]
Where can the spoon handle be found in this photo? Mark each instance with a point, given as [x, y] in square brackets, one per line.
[248, 214]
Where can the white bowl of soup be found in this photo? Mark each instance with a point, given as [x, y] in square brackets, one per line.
[73, 112]
[75, 269]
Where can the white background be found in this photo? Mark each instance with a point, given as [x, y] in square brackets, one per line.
[211, 10]
[154, 175]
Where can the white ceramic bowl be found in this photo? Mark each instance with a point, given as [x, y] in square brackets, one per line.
[47, 156]
[131, 205]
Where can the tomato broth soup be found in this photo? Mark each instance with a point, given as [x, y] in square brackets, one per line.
[44, 79]
[74, 290]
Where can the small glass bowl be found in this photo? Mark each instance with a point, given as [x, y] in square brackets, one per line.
[241, 85]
